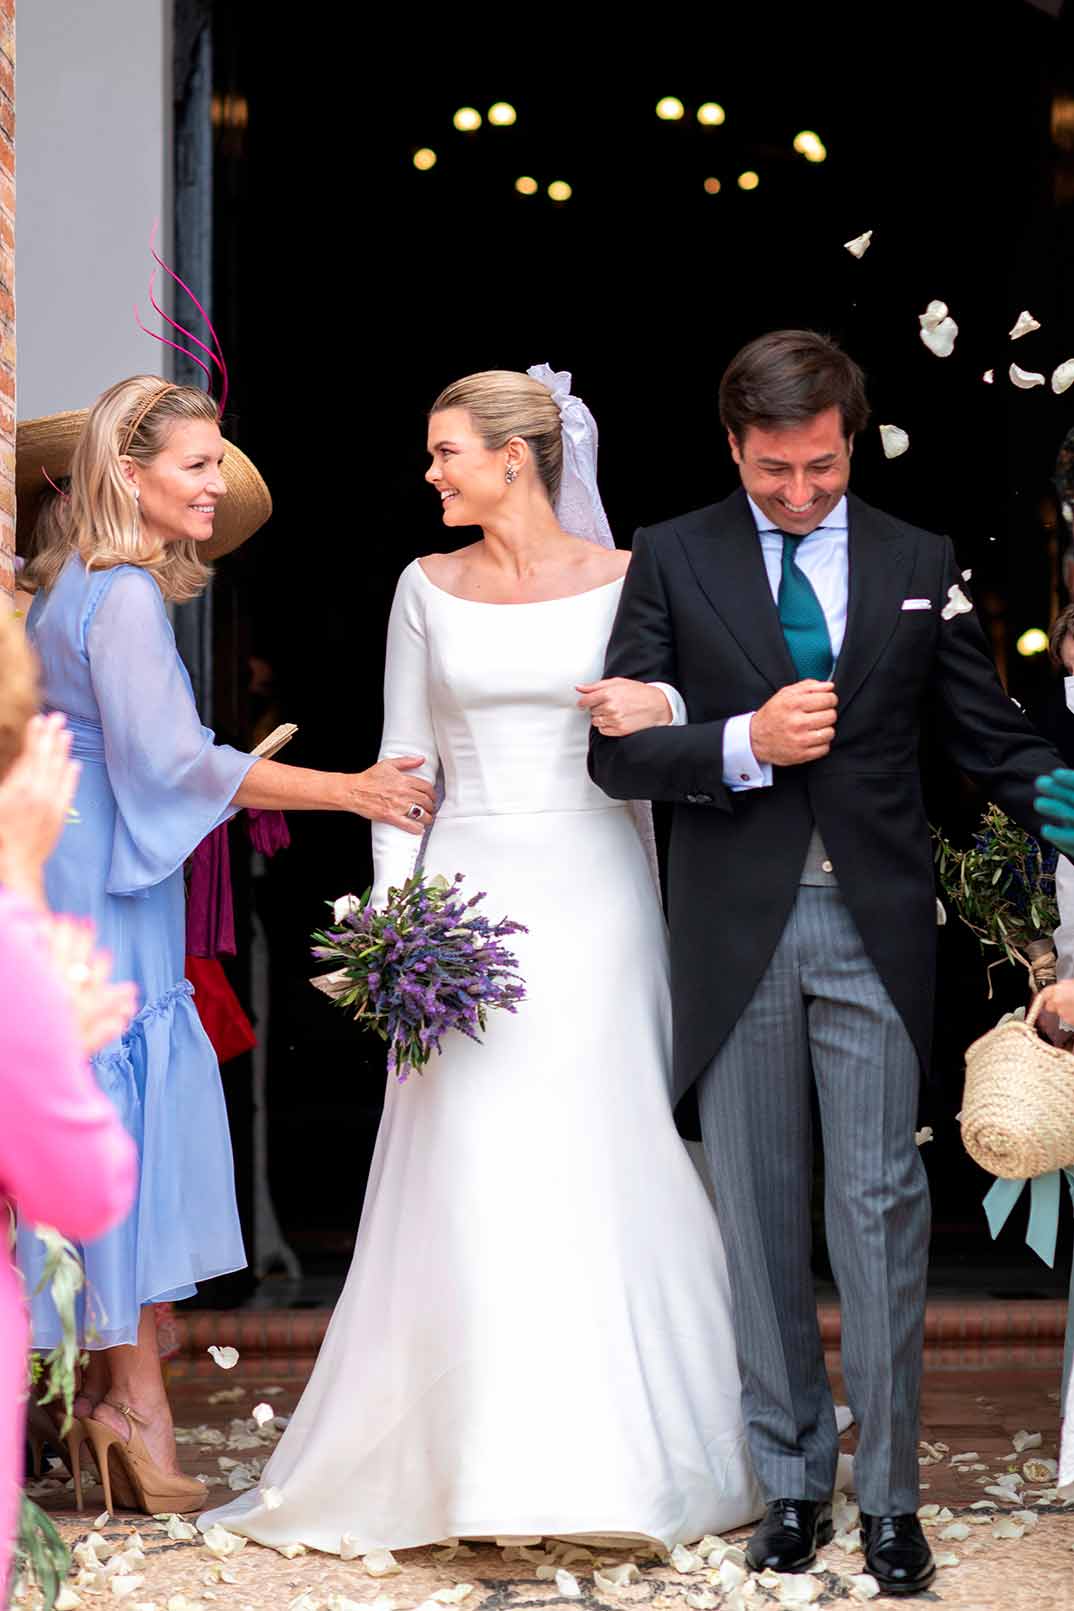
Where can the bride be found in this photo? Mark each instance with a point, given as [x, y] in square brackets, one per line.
[535, 1336]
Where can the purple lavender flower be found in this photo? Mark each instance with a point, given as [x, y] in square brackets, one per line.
[425, 964]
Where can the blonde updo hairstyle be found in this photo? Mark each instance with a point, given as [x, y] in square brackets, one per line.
[100, 517]
[503, 403]
[18, 689]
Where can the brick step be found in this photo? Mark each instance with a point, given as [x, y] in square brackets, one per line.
[976, 1331]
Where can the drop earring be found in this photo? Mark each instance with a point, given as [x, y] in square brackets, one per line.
[510, 475]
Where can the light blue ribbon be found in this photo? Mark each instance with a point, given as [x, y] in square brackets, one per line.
[1044, 1194]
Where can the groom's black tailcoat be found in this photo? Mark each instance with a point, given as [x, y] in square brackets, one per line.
[697, 611]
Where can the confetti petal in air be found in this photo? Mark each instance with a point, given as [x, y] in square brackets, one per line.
[1063, 377]
[957, 604]
[860, 244]
[894, 441]
[920, 1138]
[989, 376]
[1024, 325]
[1025, 379]
[226, 1358]
[263, 1414]
[938, 329]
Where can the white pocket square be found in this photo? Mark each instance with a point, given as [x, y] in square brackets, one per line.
[917, 604]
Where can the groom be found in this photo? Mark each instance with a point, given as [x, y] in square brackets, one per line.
[809, 634]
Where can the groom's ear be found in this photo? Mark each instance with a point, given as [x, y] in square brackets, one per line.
[850, 444]
[733, 444]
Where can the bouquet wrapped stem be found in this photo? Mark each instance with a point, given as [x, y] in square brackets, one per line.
[424, 964]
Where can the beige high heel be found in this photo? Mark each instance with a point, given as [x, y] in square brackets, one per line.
[41, 1430]
[154, 1489]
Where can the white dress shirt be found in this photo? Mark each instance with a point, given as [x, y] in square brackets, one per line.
[822, 557]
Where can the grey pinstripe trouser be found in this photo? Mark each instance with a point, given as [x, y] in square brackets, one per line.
[822, 1013]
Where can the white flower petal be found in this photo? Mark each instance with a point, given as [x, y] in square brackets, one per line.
[859, 245]
[933, 316]
[262, 1414]
[226, 1358]
[1024, 325]
[380, 1563]
[271, 1498]
[1008, 1528]
[1025, 1518]
[989, 376]
[1027, 1440]
[66, 1600]
[920, 1138]
[894, 440]
[289, 1551]
[218, 1541]
[799, 1588]
[849, 1543]
[102, 1520]
[957, 604]
[732, 1575]
[945, 1557]
[622, 1575]
[863, 1586]
[345, 907]
[121, 1586]
[1063, 377]
[684, 1560]
[180, 1531]
[955, 1531]
[567, 1584]
[455, 1595]
[701, 1600]
[928, 1512]
[349, 1550]
[940, 339]
[1025, 378]
[1038, 1469]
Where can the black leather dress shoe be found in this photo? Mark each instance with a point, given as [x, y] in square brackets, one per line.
[897, 1553]
[787, 1539]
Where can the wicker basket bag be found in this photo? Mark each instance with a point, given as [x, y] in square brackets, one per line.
[1018, 1109]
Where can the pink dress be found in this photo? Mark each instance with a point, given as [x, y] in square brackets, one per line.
[65, 1158]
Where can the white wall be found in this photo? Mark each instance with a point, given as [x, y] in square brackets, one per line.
[93, 171]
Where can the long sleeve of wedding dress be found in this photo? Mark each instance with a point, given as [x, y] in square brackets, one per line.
[408, 727]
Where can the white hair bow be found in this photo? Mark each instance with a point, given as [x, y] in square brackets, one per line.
[578, 506]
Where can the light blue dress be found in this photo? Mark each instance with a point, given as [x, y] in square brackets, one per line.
[153, 784]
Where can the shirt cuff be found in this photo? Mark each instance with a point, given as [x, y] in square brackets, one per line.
[741, 768]
[675, 700]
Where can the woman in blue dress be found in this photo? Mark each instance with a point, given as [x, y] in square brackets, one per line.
[153, 488]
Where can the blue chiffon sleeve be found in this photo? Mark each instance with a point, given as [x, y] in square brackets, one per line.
[172, 783]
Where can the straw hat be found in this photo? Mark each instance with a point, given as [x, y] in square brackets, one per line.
[48, 444]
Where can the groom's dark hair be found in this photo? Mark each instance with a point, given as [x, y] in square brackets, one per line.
[788, 376]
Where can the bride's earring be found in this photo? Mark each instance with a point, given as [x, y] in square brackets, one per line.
[137, 493]
[510, 475]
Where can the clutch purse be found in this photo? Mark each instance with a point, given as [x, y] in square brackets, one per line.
[1018, 1109]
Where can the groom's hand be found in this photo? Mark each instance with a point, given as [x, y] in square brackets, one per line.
[796, 725]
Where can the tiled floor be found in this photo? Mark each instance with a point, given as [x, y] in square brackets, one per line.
[972, 1407]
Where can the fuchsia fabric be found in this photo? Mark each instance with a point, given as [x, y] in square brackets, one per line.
[65, 1158]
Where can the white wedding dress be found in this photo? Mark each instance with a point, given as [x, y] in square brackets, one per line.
[535, 1335]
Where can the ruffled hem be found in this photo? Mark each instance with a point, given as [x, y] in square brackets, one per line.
[164, 1082]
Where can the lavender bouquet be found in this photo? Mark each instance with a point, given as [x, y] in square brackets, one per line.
[422, 965]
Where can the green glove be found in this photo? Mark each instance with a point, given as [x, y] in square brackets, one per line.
[1056, 803]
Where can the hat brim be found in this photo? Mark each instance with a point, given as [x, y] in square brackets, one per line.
[44, 447]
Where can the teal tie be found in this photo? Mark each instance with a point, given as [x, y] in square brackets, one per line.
[802, 618]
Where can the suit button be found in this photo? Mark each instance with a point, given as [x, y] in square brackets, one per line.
[826, 867]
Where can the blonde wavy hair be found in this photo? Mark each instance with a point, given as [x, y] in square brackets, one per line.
[18, 689]
[503, 403]
[99, 518]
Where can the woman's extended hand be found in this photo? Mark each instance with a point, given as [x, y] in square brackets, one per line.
[389, 792]
[35, 798]
[619, 706]
[102, 1010]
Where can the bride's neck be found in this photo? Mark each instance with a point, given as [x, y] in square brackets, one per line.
[523, 541]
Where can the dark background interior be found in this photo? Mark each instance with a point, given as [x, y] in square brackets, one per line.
[349, 288]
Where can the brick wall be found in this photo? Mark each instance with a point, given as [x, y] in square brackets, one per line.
[7, 293]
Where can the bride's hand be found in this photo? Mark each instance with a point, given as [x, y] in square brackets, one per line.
[389, 792]
[1057, 1012]
[619, 706]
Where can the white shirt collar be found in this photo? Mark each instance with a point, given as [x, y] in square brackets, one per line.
[836, 521]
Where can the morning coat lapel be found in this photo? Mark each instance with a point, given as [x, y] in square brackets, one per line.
[880, 560]
[724, 551]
